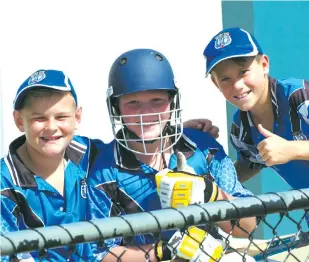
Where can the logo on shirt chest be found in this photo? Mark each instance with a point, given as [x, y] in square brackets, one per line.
[83, 188]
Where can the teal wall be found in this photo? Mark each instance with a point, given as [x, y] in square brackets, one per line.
[282, 29]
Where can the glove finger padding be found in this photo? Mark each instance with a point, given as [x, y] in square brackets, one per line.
[178, 189]
[195, 245]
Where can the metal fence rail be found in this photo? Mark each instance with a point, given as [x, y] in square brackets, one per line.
[155, 222]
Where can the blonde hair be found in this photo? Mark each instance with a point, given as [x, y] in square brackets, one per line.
[39, 93]
[242, 60]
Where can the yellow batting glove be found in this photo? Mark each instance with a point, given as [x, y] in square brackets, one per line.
[177, 189]
[195, 245]
[183, 187]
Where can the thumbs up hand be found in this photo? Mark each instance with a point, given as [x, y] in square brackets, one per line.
[183, 187]
[274, 149]
[182, 164]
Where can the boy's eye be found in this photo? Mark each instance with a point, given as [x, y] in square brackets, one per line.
[133, 102]
[158, 101]
[62, 117]
[243, 72]
[40, 118]
[224, 79]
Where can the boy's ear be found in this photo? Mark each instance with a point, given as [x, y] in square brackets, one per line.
[19, 122]
[78, 116]
[265, 64]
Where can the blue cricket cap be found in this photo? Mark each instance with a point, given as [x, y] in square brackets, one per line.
[229, 43]
[52, 79]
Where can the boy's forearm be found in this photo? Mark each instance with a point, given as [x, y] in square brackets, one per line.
[248, 223]
[299, 150]
[244, 172]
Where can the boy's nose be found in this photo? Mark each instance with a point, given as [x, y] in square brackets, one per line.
[238, 84]
[145, 109]
[51, 124]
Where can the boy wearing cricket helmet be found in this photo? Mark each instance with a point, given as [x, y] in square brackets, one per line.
[139, 172]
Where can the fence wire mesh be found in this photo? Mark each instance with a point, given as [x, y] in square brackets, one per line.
[189, 221]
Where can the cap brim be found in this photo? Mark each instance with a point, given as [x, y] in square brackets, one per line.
[225, 57]
[21, 95]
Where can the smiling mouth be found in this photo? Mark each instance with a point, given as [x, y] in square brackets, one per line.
[148, 123]
[53, 138]
[242, 96]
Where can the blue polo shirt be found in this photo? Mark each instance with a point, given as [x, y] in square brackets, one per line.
[28, 201]
[121, 184]
[290, 103]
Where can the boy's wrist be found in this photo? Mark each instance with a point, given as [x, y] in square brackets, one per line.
[299, 150]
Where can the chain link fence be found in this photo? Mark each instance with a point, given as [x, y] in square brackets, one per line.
[153, 225]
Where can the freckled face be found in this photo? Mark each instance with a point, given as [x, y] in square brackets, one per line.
[49, 123]
[147, 112]
[243, 84]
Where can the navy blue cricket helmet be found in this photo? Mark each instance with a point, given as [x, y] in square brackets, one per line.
[135, 71]
[140, 70]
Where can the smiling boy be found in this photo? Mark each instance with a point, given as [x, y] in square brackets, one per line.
[271, 125]
[43, 177]
[146, 116]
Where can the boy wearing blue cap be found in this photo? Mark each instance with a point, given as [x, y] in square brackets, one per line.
[43, 177]
[271, 125]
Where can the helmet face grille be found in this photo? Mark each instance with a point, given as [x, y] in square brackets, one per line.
[170, 130]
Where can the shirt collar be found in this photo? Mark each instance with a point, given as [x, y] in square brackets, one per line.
[274, 100]
[126, 159]
[22, 176]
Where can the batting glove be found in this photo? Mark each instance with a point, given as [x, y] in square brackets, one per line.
[194, 245]
[184, 187]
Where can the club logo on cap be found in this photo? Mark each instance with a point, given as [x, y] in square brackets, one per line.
[223, 40]
[36, 77]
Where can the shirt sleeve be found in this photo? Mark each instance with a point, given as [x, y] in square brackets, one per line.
[9, 220]
[101, 205]
[222, 169]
